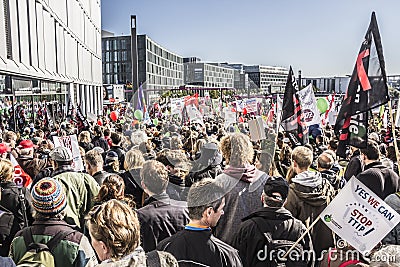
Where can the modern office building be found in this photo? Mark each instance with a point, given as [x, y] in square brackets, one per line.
[50, 51]
[328, 84]
[209, 75]
[158, 68]
[266, 79]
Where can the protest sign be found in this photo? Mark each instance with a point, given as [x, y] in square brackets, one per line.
[229, 116]
[359, 216]
[177, 105]
[308, 105]
[71, 142]
[256, 128]
[251, 105]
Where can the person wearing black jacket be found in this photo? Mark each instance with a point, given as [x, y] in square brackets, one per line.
[196, 245]
[381, 180]
[160, 217]
[354, 167]
[94, 166]
[116, 147]
[15, 199]
[273, 219]
[134, 161]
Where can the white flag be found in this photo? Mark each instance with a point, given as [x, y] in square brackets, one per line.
[308, 105]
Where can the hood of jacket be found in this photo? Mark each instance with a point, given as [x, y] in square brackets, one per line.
[248, 173]
[314, 196]
[308, 178]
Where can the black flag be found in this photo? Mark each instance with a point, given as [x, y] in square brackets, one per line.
[292, 114]
[81, 119]
[367, 89]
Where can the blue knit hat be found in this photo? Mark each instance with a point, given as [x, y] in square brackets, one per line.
[48, 197]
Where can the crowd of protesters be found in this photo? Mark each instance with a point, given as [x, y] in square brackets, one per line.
[193, 195]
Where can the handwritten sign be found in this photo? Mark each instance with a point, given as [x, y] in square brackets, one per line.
[359, 216]
[71, 142]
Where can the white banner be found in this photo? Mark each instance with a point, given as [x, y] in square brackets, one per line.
[194, 114]
[177, 105]
[309, 106]
[359, 216]
[71, 142]
[229, 116]
[251, 105]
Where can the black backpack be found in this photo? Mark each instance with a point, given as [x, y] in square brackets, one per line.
[276, 250]
[6, 223]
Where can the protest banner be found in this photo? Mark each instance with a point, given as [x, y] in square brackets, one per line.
[309, 106]
[71, 142]
[229, 116]
[251, 105]
[359, 216]
[177, 105]
[256, 128]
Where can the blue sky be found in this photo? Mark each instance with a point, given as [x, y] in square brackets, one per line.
[320, 37]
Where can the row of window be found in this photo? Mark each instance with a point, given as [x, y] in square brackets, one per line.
[117, 56]
[116, 44]
[159, 51]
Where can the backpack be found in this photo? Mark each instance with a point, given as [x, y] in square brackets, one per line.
[6, 223]
[277, 249]
[38, 254]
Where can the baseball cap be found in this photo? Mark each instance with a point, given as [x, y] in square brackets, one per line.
[61, 154]
[26, 144]
[4, 148]
[276, 184]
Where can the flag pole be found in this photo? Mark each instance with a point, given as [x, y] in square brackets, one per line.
[302, 236]
[396, 149]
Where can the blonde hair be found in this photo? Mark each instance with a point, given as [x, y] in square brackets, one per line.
[84, 136]
[117, 225]
[303, 156]
[241, 147]
[133, 159]
[6, 170]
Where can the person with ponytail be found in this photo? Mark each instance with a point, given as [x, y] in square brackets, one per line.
[113, 187]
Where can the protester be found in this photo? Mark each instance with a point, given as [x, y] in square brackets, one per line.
[309, 194]
[94, 166]
[355, 166]
[80, 188]
[115, 234]
[207, 164]
[113, 187]
[242, 184]
[381, 180]
[324, 166]
[15, 199]
[116, 140]
[196, 245]
[32, 166]
[160, 217]
[49, 202]
[272, 220]
[84, 141]
[133, 164]
[98, 140]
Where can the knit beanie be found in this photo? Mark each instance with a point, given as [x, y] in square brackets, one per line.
[48, 197]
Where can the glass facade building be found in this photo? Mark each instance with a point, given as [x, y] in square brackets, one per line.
[267, 79]
[51, 52]
[158, 68]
